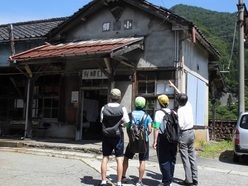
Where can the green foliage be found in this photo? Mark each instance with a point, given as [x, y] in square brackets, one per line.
[229, 112]
[219, 29]
[213, 149]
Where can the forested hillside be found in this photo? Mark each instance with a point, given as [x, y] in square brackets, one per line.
[219, 29]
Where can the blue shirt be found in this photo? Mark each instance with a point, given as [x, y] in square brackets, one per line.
[137, 115]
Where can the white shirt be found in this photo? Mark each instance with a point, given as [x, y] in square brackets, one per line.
[185, 116]
[158, 118]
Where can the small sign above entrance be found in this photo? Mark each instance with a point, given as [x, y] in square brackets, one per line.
[93, 74]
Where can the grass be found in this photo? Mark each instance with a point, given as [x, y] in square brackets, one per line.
[213, 149]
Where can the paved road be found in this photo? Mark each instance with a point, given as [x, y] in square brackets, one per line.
[19, 169]
[41, 167]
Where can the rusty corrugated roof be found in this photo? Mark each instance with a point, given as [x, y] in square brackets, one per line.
[82, 48]
[30, 29]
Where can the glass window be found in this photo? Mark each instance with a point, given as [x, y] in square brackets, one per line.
[153, 83]
[244, 123]
[48, 107]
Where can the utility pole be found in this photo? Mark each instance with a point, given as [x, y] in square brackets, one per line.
[241, 57]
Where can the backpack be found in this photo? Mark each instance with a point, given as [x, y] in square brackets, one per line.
[137, 135]
[171, 127]
[112, 120]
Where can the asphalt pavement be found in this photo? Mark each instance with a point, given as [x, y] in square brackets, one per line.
[219, 172]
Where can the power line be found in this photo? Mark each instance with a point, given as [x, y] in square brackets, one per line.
[234, 35]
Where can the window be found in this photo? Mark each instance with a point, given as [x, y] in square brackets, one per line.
[153, 83]
[49, 107]
[16, 109]
[45, 107]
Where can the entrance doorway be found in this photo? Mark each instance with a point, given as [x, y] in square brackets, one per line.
[92, 102]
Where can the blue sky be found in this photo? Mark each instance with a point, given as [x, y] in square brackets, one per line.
[27, 10]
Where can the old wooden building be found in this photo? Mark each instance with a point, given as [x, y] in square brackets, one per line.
[132, 45]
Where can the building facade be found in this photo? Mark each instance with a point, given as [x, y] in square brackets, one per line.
[132, 45]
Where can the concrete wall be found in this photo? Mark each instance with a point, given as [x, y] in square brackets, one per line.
[20, 46]
[159, 38]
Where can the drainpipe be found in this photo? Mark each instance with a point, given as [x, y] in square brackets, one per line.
[11, 38]
[26, 132]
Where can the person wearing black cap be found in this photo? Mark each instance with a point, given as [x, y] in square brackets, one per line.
[186, 138]
[166, 151]
[113, 118]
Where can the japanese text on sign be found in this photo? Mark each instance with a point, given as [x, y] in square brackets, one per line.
[93, 74]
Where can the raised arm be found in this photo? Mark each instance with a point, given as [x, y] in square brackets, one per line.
[172, 85]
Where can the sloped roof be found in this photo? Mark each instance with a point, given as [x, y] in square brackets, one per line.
[30, 29]
[158, 11]
[82, 48]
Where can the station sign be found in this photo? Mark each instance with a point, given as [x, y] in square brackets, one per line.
[93, 74]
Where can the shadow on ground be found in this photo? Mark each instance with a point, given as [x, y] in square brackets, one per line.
[227, 157]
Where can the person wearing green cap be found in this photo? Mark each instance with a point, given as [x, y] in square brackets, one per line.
[137, 116]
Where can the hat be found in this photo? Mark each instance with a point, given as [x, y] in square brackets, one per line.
[115, 94]
[140, 102]
[163, 100]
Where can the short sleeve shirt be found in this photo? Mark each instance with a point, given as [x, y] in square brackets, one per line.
[158, 119]
[137, 115]
[185, 116]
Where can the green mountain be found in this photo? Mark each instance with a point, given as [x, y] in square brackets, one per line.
[221, 31]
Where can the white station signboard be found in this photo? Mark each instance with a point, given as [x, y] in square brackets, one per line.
[93, 74]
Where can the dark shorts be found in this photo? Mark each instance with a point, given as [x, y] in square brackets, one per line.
[142, 156]
[110, 144]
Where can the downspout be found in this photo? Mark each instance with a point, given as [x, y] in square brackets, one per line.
[27, 110]
[12, 40]
[179, 60]
[176, 60]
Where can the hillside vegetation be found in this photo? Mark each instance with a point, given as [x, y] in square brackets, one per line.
[219, 29]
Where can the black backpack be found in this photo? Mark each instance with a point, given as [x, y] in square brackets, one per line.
[112, 120]
[171, 127]
[137, 135]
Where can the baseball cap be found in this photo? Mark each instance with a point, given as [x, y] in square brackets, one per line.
[140, 102]
[163, 100]
[115, 94]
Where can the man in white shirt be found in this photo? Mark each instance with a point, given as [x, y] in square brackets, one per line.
[186, 140]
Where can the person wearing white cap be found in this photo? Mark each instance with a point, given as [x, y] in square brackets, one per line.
[113, 118]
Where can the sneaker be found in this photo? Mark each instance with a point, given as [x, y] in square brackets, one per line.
[124, 179]
[139, 183]
[162, 184]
